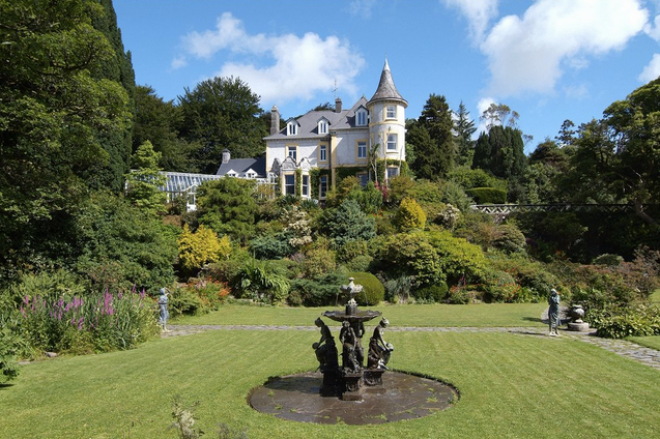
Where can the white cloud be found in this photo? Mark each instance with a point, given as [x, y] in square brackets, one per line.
[653, 30]
[530, 53]
[178, 62]
[479, 13]
[302, 65]
[651, 71]
[361, 7]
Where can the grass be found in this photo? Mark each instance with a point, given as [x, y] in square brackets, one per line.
[512, 386]
[482, 315]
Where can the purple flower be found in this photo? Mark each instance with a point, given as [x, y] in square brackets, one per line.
[80, 323]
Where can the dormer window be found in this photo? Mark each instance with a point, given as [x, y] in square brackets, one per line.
[292, 128]
[323, 126]
[361, 118]
[231, 174]
[251, 175]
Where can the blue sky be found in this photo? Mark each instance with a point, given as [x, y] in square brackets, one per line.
[549, 60]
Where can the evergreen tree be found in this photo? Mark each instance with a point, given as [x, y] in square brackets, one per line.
[464, 128]
[431, 135]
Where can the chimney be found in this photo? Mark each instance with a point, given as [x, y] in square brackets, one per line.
[338, 105]
[274, 120]
[226, 156]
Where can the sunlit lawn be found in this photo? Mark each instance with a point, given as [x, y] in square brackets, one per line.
[512, 385]
[497, 314]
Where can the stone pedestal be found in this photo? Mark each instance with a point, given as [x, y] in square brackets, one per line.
[352, 384]
[373, 377]
[578, 326]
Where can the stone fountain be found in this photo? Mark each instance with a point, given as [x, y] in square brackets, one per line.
[352, 393]
[347, 380]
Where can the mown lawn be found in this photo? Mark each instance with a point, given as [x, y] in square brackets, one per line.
[482, 315]
[513, 385]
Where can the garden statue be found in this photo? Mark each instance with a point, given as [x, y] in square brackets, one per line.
[162, 305]
[326, 350]
[553, 312]
[379, 349]
[350, 342]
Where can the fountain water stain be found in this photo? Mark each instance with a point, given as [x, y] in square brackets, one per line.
[402, 396]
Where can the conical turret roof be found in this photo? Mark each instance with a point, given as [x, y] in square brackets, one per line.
[386, 89]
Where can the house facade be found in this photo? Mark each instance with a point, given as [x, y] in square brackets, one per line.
[315, 151]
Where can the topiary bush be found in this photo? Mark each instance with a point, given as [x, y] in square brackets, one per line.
[487, 195]
[509, 239]
[373, 291]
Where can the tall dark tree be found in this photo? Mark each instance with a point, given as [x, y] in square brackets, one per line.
[222, 113]
[156, 121]
[501, 151]
[433, 141]
[119, 69]
[54, 116]
[464, 128]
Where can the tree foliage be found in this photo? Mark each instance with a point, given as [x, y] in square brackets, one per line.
[222, 113]
[228, 206]
[431, 135]
[464, 128]
[501, 151]
[64, 121]
[144, 181]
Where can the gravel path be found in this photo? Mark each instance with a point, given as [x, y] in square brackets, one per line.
[647, 356]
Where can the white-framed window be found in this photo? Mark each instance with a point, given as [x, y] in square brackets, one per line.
[251, 175]
[292, 129]
[392, 142]
[361, 118]
[290, 184]
[390, 112]
[305, 185]
[364, 178]
[292, 151]
[392, 172]
[323, 153]
[323, 126]
[323, 186]
[362, 149]
[231, 174]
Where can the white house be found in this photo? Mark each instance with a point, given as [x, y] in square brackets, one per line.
[326, 145]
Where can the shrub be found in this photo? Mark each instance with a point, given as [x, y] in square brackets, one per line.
[321, 292]
[347, 223]
[608, 259]
[430, 293]
[398, 290]
[634, 322]
[410, 215]
[271, 247]
[487, 195]
[198, 248]
[458, 257]
[318, 262]
[410, 254]
[373, 291]
[509, 239]
[186, 301]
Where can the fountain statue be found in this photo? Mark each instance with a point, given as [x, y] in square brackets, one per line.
[348, 379]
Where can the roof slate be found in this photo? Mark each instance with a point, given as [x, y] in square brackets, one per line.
[243, 165]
